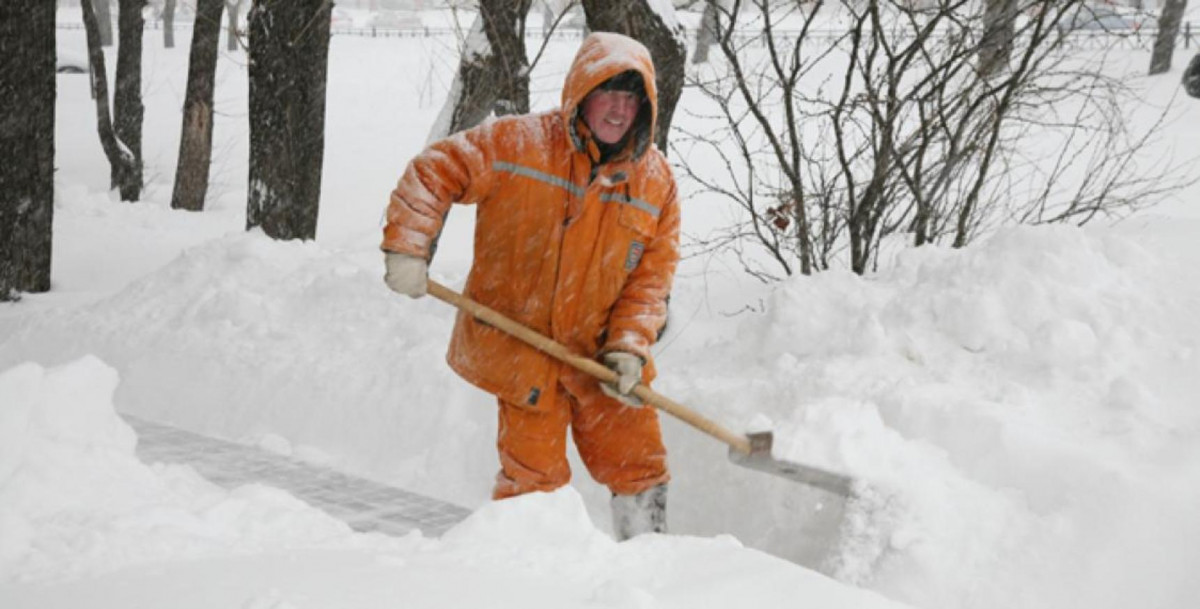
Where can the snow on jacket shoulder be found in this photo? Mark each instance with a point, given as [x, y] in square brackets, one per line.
[583, 254]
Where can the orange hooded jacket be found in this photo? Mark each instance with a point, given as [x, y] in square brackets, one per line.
[586, 258]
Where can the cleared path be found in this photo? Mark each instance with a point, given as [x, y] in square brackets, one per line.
[363, 504]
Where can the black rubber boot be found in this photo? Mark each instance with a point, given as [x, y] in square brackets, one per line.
[645, 512]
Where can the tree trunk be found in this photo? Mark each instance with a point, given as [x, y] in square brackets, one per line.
[640, 21]
[1168, 29]
[168, 23]
[289, 56]
[127, 98]
[706, 36]
[27, 97]
[235, 9]
[195, 139]
[104, 17]
[999, 32]
[493, 72]
[117, 153]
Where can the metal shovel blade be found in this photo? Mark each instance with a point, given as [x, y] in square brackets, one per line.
[759, 458]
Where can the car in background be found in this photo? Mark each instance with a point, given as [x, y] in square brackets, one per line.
[341, 18]
[70, 62]
[1103, 17]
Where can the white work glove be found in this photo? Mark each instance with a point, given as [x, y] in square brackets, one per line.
[629, 373]
[406, 274]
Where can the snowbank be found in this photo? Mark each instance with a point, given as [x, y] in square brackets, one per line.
[79, 510]
[75, 500]
[1019, 412]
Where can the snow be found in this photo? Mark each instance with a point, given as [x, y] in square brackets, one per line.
[77, 501]
[664, 11]
[80, 515]
[1020, 413]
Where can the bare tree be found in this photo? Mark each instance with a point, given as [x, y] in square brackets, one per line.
[834, 141]
[195, 141]
[124, 157]
[128, 111]
[663, 36]
[27, 97]
[1168, 29]
[289, 57]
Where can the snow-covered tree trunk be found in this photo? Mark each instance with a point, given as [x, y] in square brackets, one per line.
[653, 24]
[128, 110]
[1168, 29]
[168, 23]
[121, 158]
[493, 71]
[195, 141]
[289, 59]
[27, 95]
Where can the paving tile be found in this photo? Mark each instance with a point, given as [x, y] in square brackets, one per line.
[364, 504]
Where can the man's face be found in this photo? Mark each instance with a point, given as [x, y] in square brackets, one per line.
[610, 114]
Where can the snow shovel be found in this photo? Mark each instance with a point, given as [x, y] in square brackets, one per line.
[752, 450]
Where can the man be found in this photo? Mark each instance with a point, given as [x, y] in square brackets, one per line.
[577, 237]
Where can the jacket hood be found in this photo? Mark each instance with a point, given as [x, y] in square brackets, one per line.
[602, 56]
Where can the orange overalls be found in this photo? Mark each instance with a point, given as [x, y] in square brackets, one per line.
[582, 252]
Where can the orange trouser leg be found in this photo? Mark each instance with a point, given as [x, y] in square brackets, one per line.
[621, 447]
[532, 443]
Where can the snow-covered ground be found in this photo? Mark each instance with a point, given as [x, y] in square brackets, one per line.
[1022, 412]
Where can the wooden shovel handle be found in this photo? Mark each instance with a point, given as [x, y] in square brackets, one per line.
[738, 442]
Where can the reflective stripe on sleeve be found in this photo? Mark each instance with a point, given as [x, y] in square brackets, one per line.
[540, 176]
[574, 189]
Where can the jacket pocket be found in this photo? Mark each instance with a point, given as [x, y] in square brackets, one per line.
[499, 364]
